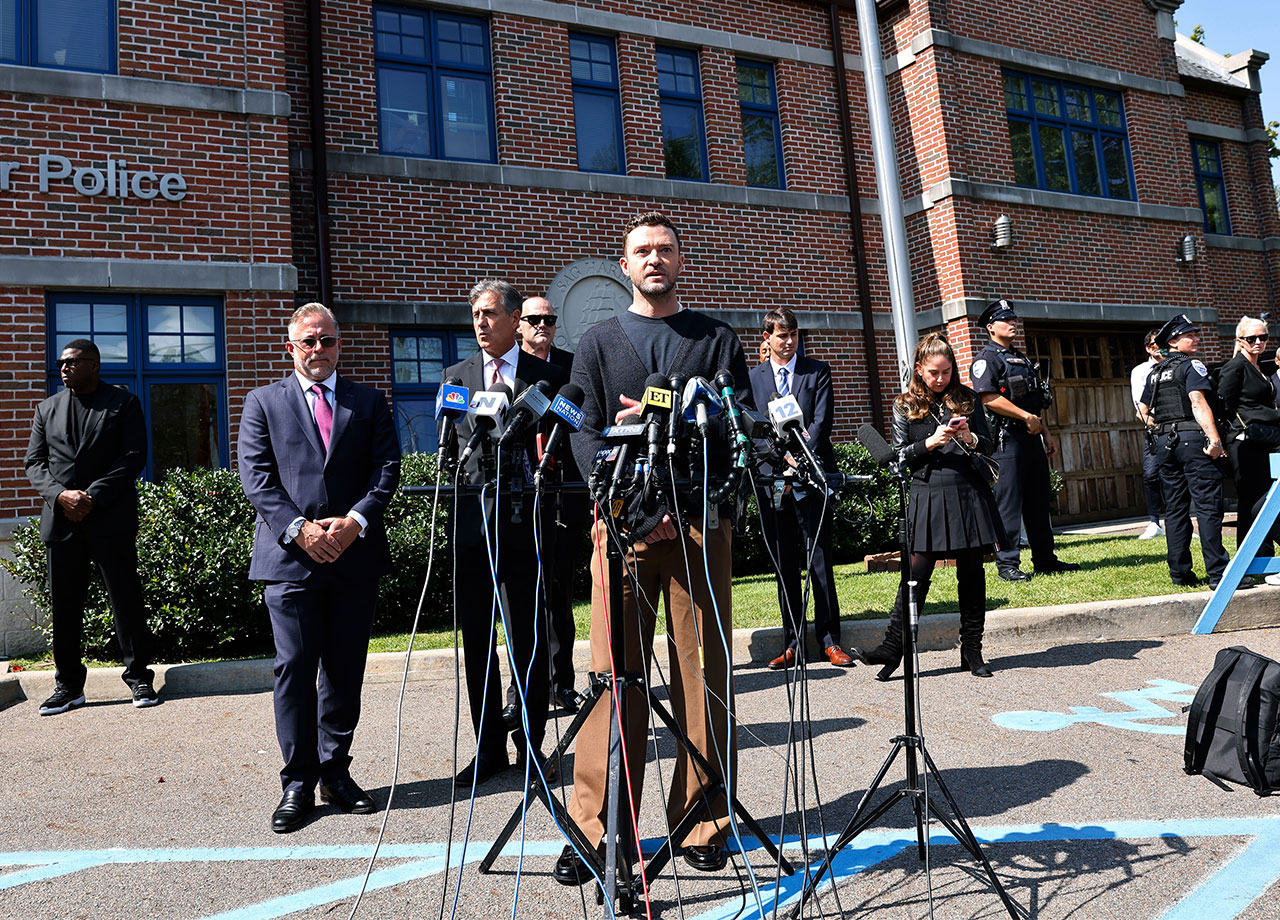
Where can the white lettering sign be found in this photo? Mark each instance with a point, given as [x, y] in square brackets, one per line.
[115, 179]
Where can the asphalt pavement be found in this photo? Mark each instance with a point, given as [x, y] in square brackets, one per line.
[1067, 764]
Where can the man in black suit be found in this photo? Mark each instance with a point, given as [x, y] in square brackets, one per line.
[565, 528]
[319, 460]
[88, 445]
[791, 530]
[495, 316]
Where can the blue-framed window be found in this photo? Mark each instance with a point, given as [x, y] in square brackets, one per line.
[761, 127]
[684, 143]
[418, 360]
[1067, 137]
[435, 86]
[597, 107]
[166, 348]
[61, 34]
[1206, 157]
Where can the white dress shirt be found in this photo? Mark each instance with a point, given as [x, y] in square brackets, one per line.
[329, 385]
[791, 373]
[508, 371]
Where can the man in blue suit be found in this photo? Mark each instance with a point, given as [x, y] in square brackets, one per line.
[791, 530]
[319, 461]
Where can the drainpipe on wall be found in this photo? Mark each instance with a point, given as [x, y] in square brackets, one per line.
[319, 147]
[855, 223]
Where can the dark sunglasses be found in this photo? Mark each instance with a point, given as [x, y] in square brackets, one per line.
[538, 319]
[309, 343]
[72, 362]
[1254, 339]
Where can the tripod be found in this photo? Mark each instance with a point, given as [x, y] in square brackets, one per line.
[910, 743]
[620, 886]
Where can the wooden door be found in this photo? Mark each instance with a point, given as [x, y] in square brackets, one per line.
[1099, 437]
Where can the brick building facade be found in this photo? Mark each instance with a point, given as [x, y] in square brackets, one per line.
[157, 190]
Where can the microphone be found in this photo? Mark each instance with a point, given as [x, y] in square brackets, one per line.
[530, 405]
[876, 445]
[700, 403]
[657, 400]
[788, 422]
[733, 412]
[674, 419]
[487, 409]
[451, 405]
[567, 409]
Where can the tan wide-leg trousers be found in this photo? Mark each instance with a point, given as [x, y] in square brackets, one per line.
[698, 662]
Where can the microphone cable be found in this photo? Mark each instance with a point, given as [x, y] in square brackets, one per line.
[491, 552]
[457, 698]
[404, 681]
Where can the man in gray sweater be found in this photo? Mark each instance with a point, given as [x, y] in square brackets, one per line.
[612, 363]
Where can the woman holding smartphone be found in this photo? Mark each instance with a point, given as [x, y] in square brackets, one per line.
[940, 432]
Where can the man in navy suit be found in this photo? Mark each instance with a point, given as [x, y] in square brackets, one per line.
[791, 530]
[495, 316]
[319, 461]
[88, 445]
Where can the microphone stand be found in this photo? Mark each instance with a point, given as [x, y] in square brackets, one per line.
[620, 885]
[910, 743]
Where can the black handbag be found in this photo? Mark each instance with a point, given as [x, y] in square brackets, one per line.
[1233, 730]
[1262, 434]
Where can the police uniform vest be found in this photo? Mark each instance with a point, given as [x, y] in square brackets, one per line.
[1170, 401]
[1018, 382]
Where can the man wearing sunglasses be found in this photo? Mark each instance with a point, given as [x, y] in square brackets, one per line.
[537, 330]
[88, 445]
[319, 461]
[1179, 399]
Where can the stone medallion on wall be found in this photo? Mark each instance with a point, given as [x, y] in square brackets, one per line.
[584, 293]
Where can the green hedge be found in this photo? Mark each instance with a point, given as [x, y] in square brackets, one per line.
[194, 544]
[196, 536]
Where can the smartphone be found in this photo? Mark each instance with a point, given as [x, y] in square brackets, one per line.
[957, 421]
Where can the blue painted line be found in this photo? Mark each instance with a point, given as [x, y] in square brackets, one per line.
[1223, 896]
[1142, 708]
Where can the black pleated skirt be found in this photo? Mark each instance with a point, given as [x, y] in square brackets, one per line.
[950, 512]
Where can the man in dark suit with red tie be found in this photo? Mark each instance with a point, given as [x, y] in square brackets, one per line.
[793, 528]
[88, 445]
[319, 460]
[495, 316]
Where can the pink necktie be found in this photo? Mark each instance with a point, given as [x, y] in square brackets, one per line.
[324, 415]
[497, 373]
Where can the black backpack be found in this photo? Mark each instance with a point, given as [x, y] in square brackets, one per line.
[1233, 730]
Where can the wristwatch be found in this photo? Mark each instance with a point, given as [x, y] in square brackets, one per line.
[295, 527]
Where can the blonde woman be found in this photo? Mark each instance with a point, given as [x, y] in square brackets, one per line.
[1249, 397]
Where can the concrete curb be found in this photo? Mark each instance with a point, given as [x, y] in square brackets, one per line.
[1136, 618]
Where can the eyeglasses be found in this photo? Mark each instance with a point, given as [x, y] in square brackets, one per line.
[1254, 339]
[72, 362]
[310, 342]
[538, 319]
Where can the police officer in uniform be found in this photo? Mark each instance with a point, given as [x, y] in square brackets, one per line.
[1014, 396]
[1178, 399]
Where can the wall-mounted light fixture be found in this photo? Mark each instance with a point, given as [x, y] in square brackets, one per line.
[1187, 249]
[1002, 232]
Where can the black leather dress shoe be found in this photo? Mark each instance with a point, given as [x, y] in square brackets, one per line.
[1186, 581]
[1053, 568]
[570, 869]
[483, 768]
[706, 859]
[347, 796]
[511, 717]
[292, 811]
[1013, 574]
[570, 699]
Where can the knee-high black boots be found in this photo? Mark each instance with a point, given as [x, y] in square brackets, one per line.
[972, 596]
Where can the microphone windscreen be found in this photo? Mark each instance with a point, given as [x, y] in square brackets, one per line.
[503, 389]
[573, 393]
[657, 380]
[876, 445]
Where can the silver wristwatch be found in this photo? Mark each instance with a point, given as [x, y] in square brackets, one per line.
[295, 527]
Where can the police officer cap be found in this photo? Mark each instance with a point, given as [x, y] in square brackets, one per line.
[1177, 326]
[998, 310]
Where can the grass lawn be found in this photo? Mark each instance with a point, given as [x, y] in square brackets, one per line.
[1112, 568]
